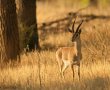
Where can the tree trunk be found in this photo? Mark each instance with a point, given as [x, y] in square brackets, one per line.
[93, 3]
[27, 18]
[9, 36]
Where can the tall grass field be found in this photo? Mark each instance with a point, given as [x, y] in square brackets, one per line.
[39, 71]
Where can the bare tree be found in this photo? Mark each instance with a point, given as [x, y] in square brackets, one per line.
[9, 36]
[27, 17]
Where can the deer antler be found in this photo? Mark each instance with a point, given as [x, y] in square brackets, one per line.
[74, 24]
[72, 31]
[79, 26]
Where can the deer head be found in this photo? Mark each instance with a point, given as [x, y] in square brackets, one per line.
[76, 33]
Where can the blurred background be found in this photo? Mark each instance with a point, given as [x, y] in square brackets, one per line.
[47, 9]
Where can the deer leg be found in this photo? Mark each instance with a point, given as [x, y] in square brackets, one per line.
[60, 65]
[63, 68]
[72, 67]
[79, 71]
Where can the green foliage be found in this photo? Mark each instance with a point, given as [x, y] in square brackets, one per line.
[84, 2]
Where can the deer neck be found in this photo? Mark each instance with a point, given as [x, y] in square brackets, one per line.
[77, 45]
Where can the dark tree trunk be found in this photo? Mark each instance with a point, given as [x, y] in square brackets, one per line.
[9, 36]
[93, 2]
[27, 17]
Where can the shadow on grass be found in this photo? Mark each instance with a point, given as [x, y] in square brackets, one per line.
[98, 83]
[49, 46]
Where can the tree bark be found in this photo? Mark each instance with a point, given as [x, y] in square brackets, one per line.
[93, 2]
[9, 36]
[27, 17]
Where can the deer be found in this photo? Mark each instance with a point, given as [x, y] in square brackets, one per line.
[71, 55]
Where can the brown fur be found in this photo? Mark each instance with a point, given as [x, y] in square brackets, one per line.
[67, 56]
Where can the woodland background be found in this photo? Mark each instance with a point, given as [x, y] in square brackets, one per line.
[30, 33]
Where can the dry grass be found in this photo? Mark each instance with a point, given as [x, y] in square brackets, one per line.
[94, 76]
[95, 65]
